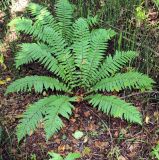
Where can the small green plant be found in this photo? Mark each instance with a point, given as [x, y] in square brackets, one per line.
[70, 156]
[140, 15]
[75, 54]
[33, 157]
[155, 152]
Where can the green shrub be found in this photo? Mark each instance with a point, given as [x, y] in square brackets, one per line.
[75, 54]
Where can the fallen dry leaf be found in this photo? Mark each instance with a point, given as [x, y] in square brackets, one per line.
[58, 141]
[61, 148]
[87, 114]
[100, 144]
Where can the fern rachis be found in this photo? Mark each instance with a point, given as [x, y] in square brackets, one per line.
[75, 54]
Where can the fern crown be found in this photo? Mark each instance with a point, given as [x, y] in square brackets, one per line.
[75, 54]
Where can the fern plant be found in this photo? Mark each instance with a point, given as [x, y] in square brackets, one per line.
[75, 54]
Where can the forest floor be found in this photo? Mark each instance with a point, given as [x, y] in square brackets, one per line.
[104, 138]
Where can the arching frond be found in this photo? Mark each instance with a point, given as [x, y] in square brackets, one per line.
[32, 116]
[41, 32]
[64, 12]
[60, 107]
[39, 52]
[39, 83]
[81, 42]
[116, 107]
[111, 65]
[98, 46]
[81, 45]
[131, 80]
[43, 110]
[67, 62]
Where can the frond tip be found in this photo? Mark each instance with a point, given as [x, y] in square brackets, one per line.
[116, 107]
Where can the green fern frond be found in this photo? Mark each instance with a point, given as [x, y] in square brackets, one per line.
[40, 32]
[99, 39]
[120, 81]
[81, 45]
[42, 15]
[67, 62]
[111, 65]
[39, 52]
[116, 107]
[81, 42]
[64, 12]
[52, 122]
[30, 52]
[39, 83]
[32, 116]
[26, 26]
[43, 110]
[42, 53]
